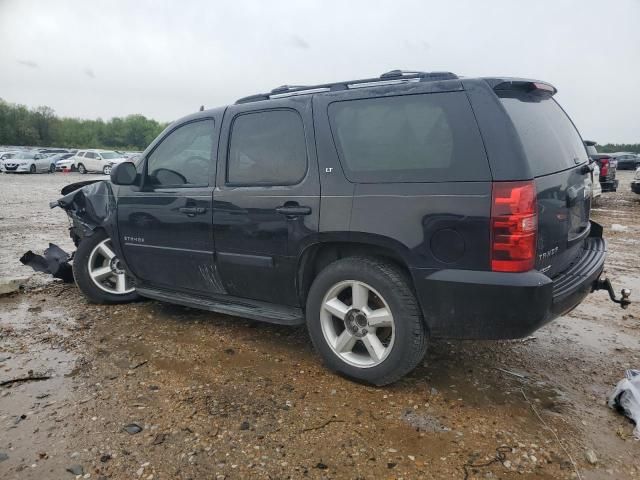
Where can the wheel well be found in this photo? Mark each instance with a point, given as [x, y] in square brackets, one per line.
[317, 257]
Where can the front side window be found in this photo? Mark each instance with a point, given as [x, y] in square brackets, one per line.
[183, 158]
[409, 138]
[267, 148]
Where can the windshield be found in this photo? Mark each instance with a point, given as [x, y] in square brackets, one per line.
[110, 155]
[25, 156]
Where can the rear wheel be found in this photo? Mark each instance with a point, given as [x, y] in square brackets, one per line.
[99, 273]
[32, 169]
[107, 170]
[364, 320]
[52, 168]
[81, 168]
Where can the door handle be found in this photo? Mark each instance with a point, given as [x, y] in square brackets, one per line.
[191, 211]
[293, 210]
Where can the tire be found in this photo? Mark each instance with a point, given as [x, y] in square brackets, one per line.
[106, 170]
[73, 168]
[52, 168]
[81, 168]
[32, 169]
[388, 287]
[90, 258]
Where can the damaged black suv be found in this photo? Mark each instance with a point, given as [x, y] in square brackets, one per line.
[381, 212]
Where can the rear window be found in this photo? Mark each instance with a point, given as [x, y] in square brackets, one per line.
[409, 138]
[549, 138]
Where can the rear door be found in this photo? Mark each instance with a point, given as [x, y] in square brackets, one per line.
[267, 199]
[559, 163]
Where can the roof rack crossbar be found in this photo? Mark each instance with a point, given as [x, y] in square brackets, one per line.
[391, 76]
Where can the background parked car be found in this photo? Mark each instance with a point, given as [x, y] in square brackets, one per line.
[62, 161]
[96, 160]
[607, 165]
[28, 162]
[626, 160]
[596, 188]
[53, 150]
[9, 154]
[635, 183]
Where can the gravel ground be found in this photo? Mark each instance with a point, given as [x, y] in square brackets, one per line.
[225, 398]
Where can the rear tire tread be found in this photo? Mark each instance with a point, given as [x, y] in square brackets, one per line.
[414, 352]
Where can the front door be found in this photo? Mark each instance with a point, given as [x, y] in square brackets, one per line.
[165, 229]
[266, 202]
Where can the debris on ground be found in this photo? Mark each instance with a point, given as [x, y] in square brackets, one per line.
[11, 284]
[626, 398]
[132, 428]
[54, 261]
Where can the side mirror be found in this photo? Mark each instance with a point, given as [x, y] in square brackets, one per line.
[124, 173]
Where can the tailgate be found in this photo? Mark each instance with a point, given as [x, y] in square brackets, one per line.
[559, 162]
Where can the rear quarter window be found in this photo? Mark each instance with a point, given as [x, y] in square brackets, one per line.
[549, 138]
[409, 138]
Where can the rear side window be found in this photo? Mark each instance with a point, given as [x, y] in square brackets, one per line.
[267, 148]
[549, 138]
[90, 155]
[410, 138]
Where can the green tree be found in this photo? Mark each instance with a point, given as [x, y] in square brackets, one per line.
[21, 126]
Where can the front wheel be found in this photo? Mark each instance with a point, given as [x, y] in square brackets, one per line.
[52, 168]
[364, 320]
[99, 273]
[81, 168]
[107, 170]
[32, 169]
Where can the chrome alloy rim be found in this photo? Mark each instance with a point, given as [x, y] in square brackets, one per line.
[106, 270]
[357, 324]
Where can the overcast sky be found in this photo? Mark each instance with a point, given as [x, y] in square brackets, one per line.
[164, 59]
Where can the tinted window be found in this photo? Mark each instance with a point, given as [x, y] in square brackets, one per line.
[409, 138]
[550, 141]
[267, 148]
[90, 155]
[183, 158]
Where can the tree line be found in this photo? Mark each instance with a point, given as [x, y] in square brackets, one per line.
[22, 126]
[619, 147]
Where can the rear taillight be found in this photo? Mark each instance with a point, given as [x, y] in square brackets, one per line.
[514, 224]
[604, 167]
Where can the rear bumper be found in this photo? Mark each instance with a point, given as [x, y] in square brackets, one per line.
[609, 185]
[635, 186]
[468, 304]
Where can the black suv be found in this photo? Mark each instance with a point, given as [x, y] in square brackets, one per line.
[381, 212]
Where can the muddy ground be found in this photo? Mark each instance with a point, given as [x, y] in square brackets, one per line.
[222, 397]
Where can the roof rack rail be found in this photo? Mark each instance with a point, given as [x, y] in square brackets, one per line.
[393, 76]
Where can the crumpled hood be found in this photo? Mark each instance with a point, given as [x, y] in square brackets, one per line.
[90, 204]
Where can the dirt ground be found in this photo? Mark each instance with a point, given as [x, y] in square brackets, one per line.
[227, 398]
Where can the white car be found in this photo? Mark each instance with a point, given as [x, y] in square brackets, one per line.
[596, 188]
[63, 161]
[96, 161]
[28, 162]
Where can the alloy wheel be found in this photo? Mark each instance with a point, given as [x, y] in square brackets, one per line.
[106, 270]
[357, 324]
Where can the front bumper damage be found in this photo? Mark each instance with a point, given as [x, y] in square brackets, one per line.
[90, 205]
